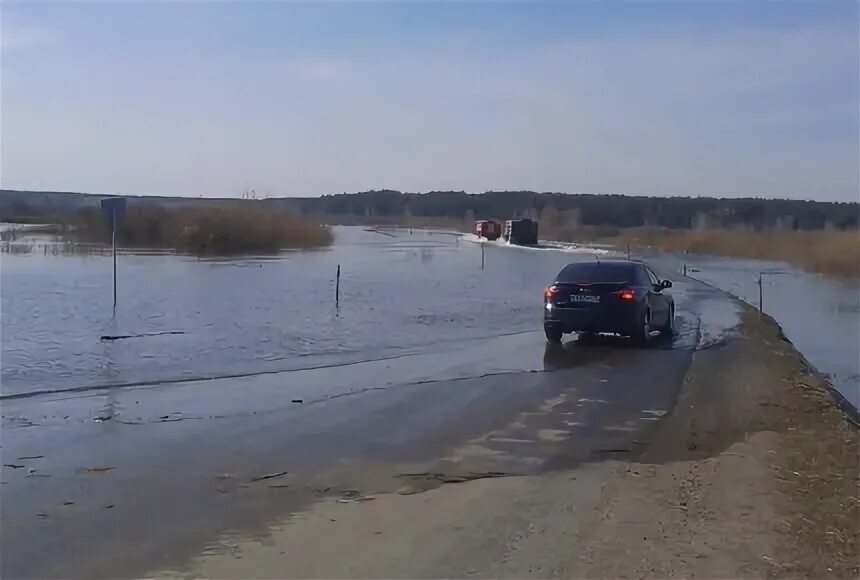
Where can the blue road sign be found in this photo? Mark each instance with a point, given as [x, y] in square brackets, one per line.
[114, 209]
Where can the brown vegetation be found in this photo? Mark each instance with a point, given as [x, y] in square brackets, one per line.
[211, 231]
[828, 252]
[834, 252]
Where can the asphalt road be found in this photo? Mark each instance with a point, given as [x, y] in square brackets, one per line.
[120, 482]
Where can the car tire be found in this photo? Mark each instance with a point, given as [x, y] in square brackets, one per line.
[642, 335]
[669, 329]
[553, 335]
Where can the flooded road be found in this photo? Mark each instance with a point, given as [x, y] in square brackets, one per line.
[122, 456]
[399, 295]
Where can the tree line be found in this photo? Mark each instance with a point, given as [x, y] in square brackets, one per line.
[619, 211]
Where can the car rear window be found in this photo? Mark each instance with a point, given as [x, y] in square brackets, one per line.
[597, 272]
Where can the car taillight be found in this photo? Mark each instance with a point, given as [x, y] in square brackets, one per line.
[551, 293]
[626, 295]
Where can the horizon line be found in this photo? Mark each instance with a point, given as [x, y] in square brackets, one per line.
[400, 192]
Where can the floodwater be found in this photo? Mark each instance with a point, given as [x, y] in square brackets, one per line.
[187, 318]
[429, 364]
[181, 318]
[819, 314]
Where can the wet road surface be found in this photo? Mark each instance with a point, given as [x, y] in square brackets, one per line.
[118, 481]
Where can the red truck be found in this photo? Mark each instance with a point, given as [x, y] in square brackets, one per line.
[488, 229]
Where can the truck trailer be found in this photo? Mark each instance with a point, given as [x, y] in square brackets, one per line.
[522, 232]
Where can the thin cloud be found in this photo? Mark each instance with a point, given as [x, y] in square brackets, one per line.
[28, 39]
[319, 69]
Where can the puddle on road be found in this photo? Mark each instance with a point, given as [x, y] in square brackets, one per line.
[718, 320]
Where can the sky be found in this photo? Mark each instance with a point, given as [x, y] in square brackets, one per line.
[728, 98]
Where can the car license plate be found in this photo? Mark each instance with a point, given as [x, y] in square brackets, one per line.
[584, 298]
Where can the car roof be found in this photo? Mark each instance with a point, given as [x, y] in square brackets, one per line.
[596, 270]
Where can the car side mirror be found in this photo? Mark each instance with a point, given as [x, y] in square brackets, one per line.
[665, 284]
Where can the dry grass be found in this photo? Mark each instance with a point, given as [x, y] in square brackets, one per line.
[212, 231]
[827, 252]
[814, 465]
[816, 472]
[818, 479]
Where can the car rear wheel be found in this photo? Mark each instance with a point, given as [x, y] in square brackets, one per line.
[643, 332]
[553, 335]
[669, 328]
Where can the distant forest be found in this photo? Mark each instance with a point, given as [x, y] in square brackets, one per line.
[592, 210]
[620, 211]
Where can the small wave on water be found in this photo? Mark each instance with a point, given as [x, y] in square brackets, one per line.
[545, 246]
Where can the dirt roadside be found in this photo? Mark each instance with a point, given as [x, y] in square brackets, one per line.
[753, 474]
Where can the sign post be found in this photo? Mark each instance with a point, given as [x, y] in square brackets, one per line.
[113, 209]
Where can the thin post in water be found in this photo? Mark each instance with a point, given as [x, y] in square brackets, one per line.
[628, 250]
[482, 255]
[760, 294]
[113, 245]
[337, 287]
[113, 209]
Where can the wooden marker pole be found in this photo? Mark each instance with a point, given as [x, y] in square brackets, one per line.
[760, 294]
[113, 244]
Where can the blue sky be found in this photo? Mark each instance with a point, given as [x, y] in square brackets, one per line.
[725, 98]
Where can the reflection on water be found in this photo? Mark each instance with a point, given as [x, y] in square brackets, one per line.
[50, 246]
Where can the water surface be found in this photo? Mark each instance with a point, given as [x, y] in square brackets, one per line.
[400, 294]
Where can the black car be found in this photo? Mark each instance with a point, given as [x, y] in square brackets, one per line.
[620, 296]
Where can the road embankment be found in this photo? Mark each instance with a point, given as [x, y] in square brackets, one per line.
[753, 473]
